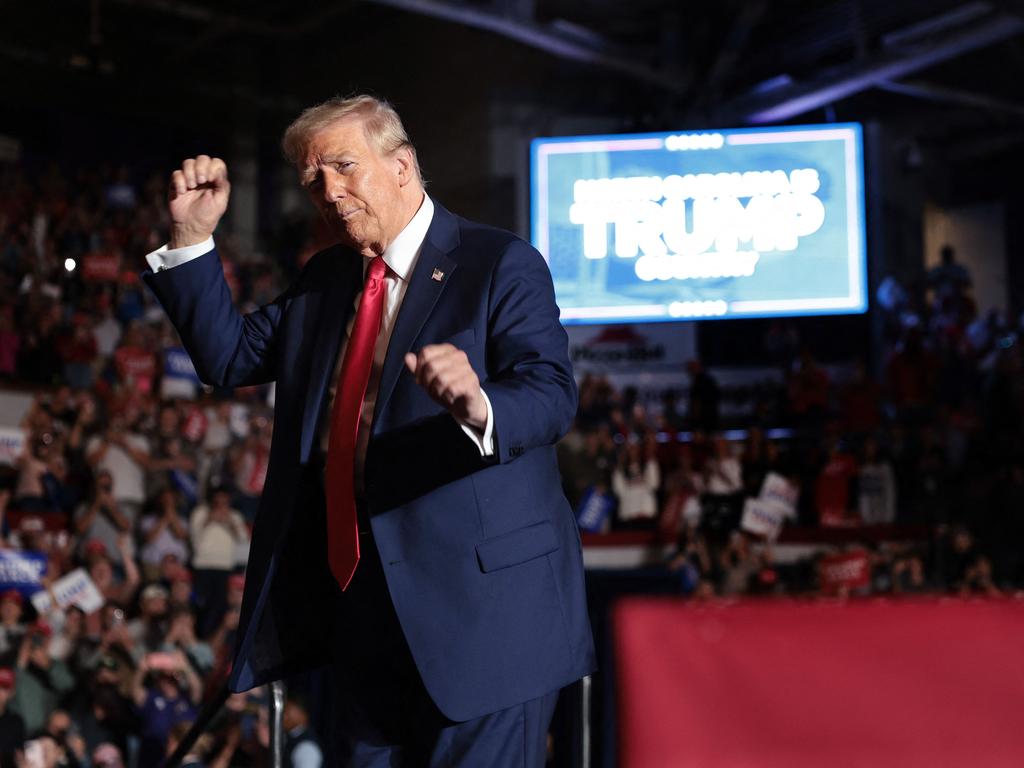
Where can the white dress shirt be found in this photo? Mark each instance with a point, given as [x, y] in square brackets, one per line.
[400, 256]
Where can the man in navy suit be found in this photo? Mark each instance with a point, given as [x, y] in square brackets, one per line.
[466, 611]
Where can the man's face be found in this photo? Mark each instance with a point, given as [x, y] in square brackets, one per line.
[357, 190]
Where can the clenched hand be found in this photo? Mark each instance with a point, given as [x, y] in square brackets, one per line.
[445, 373]
[197, 198]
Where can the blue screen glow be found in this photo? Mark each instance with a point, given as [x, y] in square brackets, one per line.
[711, 224]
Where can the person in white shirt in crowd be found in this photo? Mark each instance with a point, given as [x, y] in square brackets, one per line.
[164, 532]
[635, 482]
[125, 455]
[876, 487]
[219, 534]
[723, 472]
[107, 330]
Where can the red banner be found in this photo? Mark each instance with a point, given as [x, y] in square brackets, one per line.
[101, 267]
[849, 570]
[802, 684]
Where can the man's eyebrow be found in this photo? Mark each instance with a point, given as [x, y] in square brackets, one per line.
[309, 173]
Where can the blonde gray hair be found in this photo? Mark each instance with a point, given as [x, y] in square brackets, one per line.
[383, 127]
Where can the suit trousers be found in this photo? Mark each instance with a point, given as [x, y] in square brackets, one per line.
[383, 715]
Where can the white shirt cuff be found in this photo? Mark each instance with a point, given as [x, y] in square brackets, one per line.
[168, 258]
[482, 440]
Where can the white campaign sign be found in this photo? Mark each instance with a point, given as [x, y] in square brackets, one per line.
[76, 589]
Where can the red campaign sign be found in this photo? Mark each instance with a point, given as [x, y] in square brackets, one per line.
[849, 570]
[195, 425]
[101, 267]
[137, 365]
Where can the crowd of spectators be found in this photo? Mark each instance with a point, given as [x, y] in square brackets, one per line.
[125, 468]
[921, 453]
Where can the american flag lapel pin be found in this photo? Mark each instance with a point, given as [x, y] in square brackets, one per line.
[437, 275]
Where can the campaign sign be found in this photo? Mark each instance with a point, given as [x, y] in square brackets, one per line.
[101, 267]
[22, 570]
[594, 512]
[729, 223]
[762, 518]
[12, 443]
[74, 589]
[180, 379]
[848, 570]
[778, 490]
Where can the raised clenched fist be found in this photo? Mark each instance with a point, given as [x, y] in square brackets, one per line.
[197, 198]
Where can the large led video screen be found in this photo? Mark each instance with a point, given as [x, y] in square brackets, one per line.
[750, 222]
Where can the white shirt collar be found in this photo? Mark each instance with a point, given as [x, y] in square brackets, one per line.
[403, 251]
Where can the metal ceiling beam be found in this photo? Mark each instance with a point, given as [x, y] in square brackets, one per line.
[942, 94]
[544, 38]
[790, 101]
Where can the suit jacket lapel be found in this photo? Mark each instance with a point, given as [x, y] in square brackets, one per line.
[432, 272]
[335, 308]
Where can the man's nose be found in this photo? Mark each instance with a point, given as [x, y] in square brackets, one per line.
[334, 185]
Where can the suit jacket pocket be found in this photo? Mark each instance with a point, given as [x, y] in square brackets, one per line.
[516, 546]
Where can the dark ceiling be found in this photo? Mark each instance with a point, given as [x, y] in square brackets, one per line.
[947, 75]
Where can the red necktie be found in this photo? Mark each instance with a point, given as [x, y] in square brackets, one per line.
[339, 479]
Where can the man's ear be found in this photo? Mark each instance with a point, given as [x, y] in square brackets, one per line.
[406, 165]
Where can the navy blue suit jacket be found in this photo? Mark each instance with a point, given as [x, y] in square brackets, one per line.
[481, 555]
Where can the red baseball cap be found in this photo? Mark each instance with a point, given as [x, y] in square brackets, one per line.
[6, 677]
[95, 547]
[12, 594]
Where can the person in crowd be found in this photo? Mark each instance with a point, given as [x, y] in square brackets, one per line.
[249, 461]
[173, 462]
[180, 596]
[41, 682]
[833, 493]
[737, 564]
[100, 519]
[166, 691]
[12, 724]
[635, 482]
[107, 755]
[723, 471]
[692, 559]
[124, 453]
[876, 486]
[164, 531]
[12, 630]
[149, 628]
[68, 634]
[217, 532]
[102, 707]
[302, 748]
[116, 590]
[181, 636]
[71, 746]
